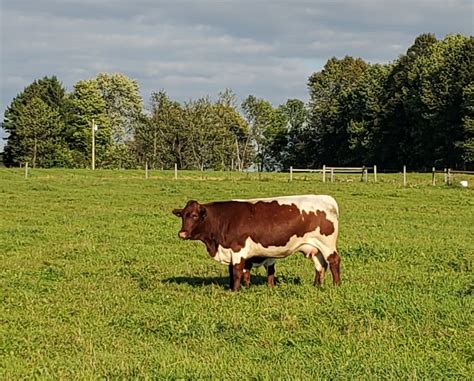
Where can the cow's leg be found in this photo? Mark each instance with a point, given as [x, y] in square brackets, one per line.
[321, 266]
[231, 277]
[270, 274]
[247, 268]
[238, 271]
[334, 261]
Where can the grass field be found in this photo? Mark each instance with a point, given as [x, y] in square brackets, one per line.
[96, 284]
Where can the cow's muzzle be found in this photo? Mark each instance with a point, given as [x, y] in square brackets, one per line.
[183, 234]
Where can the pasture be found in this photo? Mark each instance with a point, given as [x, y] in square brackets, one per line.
[94, 282]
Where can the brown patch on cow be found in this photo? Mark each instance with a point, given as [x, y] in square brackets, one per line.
[334, 260]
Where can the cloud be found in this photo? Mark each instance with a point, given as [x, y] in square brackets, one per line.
[197, 48]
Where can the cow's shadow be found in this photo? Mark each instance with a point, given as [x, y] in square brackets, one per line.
[223, 281]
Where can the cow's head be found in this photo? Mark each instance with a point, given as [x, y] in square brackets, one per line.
[192, 216]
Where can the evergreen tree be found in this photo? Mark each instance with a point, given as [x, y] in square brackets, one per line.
[52, 96]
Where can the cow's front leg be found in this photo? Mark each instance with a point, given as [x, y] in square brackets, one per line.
[238, 271]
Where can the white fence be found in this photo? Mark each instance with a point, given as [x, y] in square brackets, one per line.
[332, 171]
[326, 171]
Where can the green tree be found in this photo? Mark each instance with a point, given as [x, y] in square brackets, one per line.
[38, 128]
[288, 147]
[160, 139]
[265, 123]
[443, 76]
[467, 145]
[398, 142]
[234, 144]
[86, 105]
[51, 92]
[362, 108]
[124, 108]
[328, 142]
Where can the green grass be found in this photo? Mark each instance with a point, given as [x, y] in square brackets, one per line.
[96, 284]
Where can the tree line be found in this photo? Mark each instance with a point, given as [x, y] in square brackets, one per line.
[417, 111]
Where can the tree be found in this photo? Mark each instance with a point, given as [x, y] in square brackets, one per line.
[85, 105]
[328, 123]
[362, 107]
[234, 146]
[288, 147]
[52, 95]
[123, 107]
[160, 138]
[446, 72]
[264, 124]
[38, 129]
[399, 140]
[467, 145]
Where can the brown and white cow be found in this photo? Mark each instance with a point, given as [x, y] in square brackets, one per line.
[239, 231]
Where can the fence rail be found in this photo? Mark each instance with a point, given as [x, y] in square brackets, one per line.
[363, 171]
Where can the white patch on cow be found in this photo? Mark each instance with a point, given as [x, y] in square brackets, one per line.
[223, 255]
[307, 203]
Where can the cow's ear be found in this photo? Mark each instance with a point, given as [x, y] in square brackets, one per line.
[202, 212]
[178, 212]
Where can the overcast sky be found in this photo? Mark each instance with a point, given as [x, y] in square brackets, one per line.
[267, 48]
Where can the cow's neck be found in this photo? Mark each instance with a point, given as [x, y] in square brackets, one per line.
[208, 234]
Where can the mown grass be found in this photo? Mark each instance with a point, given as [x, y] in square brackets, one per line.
[96, 284]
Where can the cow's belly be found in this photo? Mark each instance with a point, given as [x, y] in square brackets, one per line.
[294, 244]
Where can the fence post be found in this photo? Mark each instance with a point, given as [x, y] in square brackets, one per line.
[332, 175]
[375, 173]
[26, 170]
[433, 176]
[291, 173]
[324, 173]
[146, 169]
[449, 176]
[175, 171]
[445, 175]
[404, 175]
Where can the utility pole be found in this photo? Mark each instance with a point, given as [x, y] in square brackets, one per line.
[94, 129]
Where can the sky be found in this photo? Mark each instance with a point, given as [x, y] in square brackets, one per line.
[190, 49]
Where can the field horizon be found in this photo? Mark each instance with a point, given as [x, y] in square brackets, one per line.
[96, 284]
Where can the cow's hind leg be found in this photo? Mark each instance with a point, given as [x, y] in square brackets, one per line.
[270, 273]
[334, 260]
[246, 276]
[321, 267]
[231, 277]
[320, 264]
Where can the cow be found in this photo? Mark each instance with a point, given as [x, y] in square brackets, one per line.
[237, 232]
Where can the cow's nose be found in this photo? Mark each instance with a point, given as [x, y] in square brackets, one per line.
[183, 234]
